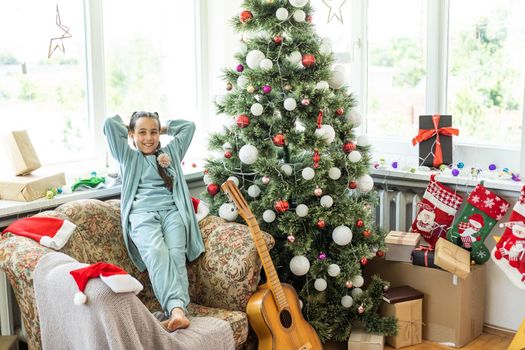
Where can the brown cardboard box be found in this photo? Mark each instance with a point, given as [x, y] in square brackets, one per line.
[21, 152]
[400, 245]
[453, 311]
[361, 340]
[452, 258]
[409, 318]
[30, 187]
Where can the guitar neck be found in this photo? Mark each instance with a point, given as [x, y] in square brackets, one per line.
[269, 269]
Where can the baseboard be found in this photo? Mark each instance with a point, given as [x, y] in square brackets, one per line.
[503, 332]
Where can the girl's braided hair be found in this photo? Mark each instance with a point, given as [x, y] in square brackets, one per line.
[168, 181]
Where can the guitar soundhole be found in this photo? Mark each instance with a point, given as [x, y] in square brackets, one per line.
[286, 319]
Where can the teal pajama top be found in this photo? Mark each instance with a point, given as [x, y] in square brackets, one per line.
[132, 165]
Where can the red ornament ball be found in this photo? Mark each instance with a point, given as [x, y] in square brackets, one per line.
[364, 261]
[243, 121]
[348, 147]
[278, 39]
[245, 16]
[308, 60]
[309, 19]
[361, 309]
[359, 223]
[278, 140]
[227, 154]
[318, 192]
[349, 284]
[320, 224]
[281, 206]
[380, 253]
[213, 189]
[352, 185]
[340, 111]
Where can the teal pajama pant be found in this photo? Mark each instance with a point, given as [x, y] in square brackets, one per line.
[161, 240]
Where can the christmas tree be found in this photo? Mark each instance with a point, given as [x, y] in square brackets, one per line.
[293, 153]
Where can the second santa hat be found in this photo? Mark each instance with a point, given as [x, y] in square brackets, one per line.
[113, 276]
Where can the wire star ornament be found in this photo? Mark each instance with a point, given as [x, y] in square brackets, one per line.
[60, 43]
[335, 9]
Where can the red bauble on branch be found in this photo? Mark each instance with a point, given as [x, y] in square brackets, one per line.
[245, 16]
[243, 121]
[340, 111]
[213, 189]
[352, 185]
[316, 158]
[278, 39]
[308, 60]
[278, 140]
[348, 147]
[366, 233]
[320, 224]
[364, 261]
[281, 206]
[227, 154]
[359, 223]
[380, 253]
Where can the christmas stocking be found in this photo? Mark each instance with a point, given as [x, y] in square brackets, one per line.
[475, 222]
[435, 211]
[509, 253]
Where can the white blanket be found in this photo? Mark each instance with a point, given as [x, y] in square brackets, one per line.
[109, 320]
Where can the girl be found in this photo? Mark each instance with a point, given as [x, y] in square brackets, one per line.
[158, 222]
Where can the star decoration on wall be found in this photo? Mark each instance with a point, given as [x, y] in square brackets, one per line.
[335, 9]
[57, 42]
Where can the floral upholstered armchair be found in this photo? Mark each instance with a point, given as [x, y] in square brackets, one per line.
[221, 280]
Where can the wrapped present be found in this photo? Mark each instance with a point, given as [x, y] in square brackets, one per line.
[424, 256]
[30, 187]
[400, 245]
[21, 152]
[452, 258]
[361, 340]
[435, 139]
[406, 304]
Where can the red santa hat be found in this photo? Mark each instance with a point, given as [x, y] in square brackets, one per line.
[476, 220]
[113, 276]
[50, 232]
[200, 208]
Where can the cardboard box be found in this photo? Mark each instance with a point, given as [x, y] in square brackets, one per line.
[427, 148]
[452, 258]
[361, 340]
[30, 187]
[453, 311]
[21, 152]
[400, 245]
[409, 316]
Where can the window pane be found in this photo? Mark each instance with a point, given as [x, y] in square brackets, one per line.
[396, 66]
[48, 96]
[486, 72]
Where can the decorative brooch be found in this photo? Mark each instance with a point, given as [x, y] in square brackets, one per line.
[164, 160]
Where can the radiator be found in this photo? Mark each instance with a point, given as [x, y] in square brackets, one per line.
[397, 208]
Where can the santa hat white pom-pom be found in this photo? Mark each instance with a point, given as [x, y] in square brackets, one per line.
[80, 298]
[502, 225]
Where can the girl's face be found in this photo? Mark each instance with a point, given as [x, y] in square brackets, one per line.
[146, 135]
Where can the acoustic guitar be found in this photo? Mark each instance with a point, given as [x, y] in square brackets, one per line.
[273, 310]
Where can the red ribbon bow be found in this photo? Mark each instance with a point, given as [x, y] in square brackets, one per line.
[426, 249]
[425, 134]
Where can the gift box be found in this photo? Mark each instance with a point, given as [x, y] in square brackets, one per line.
[406, 304]
[435, 140]
[400, 245]
[454, 308]
[424, 256]
[361, 340]
[30, 187]
[452, 258]
[21, 153]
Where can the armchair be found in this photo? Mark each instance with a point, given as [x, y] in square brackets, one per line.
[221, 280]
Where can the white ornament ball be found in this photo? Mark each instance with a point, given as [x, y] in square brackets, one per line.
[363, 141]
[228, 212]
[365, 183]
[326, 132]
[254, 58]
[308, 173]
[340, 68]
[281, 14]
[337, 79]
[320, 284]
[356, 292]
[287, 169]
[265, 180]
[290, 104]
[334, 270]
[326, 46]
[347, 301]
[354, 156]
[301, 210]
[299, 126]
[298, 3]
[266, 64]
[322, 85]
[342, 235]
[242, 82]
[242, 47]
[295, 57]
[354, 117]
[234, 180]
[334, 173]
[269, 216]
[299, 15]
[207, 179]
[299, 265]
[248, 154]
[358, 281]
[221, 99]
[227, 146]
[254, 191]
[256, 109]
[327, 201]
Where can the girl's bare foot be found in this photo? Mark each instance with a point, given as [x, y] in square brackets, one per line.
[177, 320]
